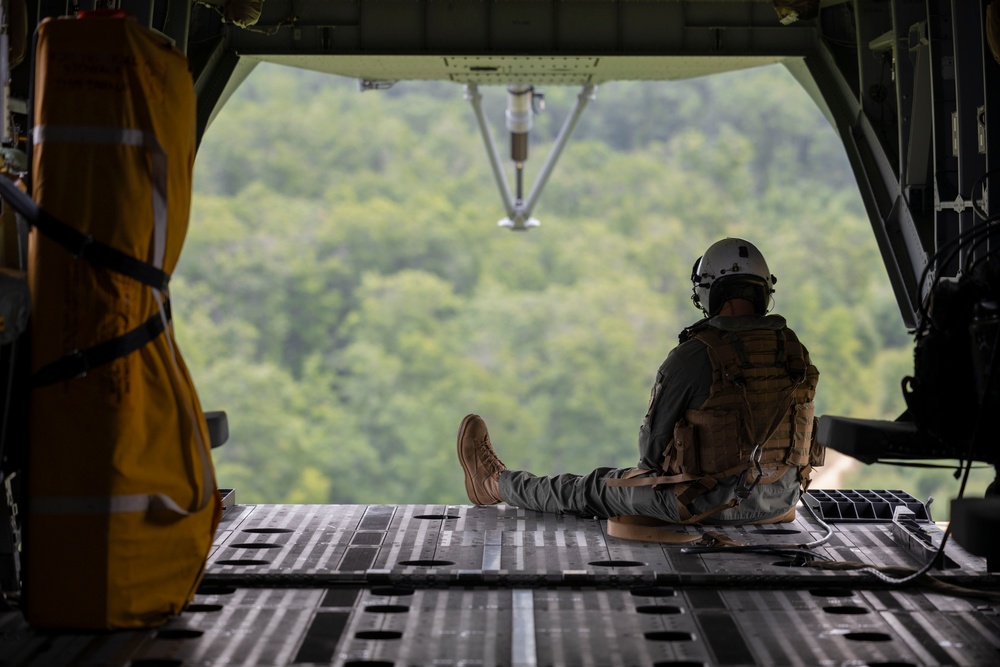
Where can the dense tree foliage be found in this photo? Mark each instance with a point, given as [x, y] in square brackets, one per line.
[345, 295]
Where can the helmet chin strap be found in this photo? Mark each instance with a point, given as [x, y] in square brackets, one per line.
[695, 284]
[696, 300]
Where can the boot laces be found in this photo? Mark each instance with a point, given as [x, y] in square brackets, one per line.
[489, 457]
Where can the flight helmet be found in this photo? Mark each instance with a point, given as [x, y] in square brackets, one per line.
[731, 269]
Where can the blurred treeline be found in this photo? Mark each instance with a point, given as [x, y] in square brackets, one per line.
[345, 295]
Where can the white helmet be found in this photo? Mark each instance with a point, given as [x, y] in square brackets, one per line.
[731, 268]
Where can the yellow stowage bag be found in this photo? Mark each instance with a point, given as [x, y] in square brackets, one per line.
[123, 502]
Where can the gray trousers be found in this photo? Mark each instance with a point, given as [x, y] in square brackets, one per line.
[588, 495]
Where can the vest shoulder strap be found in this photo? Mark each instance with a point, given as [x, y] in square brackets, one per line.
[796, 357]
[729, 351]
[726, 352]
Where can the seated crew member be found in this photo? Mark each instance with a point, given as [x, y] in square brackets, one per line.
[728, 434]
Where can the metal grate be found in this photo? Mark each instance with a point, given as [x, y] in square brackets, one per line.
[863, 505]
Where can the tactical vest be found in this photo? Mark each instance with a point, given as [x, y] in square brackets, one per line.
[759, 416]
[757, 422]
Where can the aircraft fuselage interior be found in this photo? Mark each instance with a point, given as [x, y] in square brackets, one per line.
[912, 89]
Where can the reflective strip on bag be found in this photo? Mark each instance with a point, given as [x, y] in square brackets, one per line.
[124, 137]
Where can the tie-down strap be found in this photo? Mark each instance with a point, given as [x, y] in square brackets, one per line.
[78, 362]
[80, 245]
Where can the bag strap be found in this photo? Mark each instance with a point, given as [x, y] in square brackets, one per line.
[80, 245]
[79, 362]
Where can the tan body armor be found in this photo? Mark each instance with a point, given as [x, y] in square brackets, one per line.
[757, 422]
[760, 410]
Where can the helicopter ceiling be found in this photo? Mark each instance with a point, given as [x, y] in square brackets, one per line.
[519, 44]
[505, 70]
[488, 42]
[911, 87]
[520, 41]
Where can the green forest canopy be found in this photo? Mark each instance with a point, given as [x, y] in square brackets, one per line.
[345, 295]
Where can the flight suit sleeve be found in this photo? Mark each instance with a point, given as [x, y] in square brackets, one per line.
[682, 382]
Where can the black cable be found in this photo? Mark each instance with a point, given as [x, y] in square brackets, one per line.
[986, 257]
[981, 228]
[970, 259]
[986, 227]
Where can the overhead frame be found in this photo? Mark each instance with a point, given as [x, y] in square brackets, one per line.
[910, 87]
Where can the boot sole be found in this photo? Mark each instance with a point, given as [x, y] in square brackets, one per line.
[470, 487]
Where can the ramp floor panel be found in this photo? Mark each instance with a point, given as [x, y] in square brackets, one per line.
[463, 544]
[418, 585]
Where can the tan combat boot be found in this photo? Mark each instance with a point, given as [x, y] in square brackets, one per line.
[479, 461]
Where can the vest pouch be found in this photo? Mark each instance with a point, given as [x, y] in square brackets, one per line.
[817, 451]
[803, 419]
[717, 434]
[682, 452]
